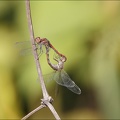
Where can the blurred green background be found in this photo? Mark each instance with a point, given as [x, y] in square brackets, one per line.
[88, 33]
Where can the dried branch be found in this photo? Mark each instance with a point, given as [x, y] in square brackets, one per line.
[34, 111]
[47, 100]
[44, 91]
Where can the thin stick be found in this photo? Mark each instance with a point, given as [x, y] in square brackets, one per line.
[44, 91]
[32, 112]
[47, 100]
[53, 110]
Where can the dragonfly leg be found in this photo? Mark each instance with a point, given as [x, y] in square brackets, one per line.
[55, 58]
[40, 53]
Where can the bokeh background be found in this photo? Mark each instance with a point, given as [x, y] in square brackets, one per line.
[88, 33]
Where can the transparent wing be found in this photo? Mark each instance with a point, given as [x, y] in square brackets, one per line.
[62, 78]
[75, 89]
[66, 79]
[24, 48]
[23, 45]
[57, 78]
[48, 77]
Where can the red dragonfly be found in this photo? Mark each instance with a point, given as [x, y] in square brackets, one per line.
[59, 75]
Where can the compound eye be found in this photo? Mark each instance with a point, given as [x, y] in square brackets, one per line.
[37, 39]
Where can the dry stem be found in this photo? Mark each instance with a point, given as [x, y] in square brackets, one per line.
[47, 100]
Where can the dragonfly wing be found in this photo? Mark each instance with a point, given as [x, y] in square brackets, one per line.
[23, 45]
[48, 77]
[75, 89]
[58, 79]
[66, 79]
[62, 78]
[24, 48]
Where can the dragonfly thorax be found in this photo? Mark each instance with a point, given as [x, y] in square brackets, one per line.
[60, 65]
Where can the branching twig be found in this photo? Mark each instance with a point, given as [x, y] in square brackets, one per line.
[47, 100]
[32, 112]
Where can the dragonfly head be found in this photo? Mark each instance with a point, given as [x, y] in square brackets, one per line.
[63, 59]
[37, 40]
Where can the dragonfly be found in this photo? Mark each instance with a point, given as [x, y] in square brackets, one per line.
[40, 43]
[60, 76]
[26, 48]
[45, 42]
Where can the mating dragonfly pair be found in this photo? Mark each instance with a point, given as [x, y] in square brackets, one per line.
[60, 76]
